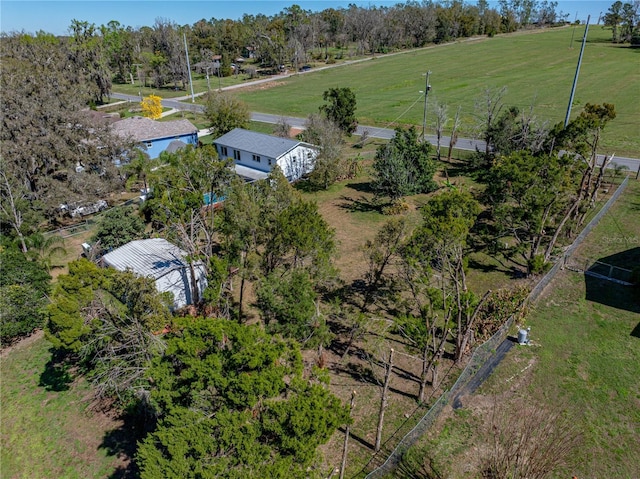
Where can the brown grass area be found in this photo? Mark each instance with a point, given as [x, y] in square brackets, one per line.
[262, 86]
[365, 375]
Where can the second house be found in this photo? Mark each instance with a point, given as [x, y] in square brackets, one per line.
[256, 154]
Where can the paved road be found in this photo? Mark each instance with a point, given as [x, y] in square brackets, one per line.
[467, 144]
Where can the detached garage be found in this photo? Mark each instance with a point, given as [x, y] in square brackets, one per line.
[164, 262]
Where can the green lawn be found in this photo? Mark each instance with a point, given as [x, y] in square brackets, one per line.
[47, 427]
[537, 69]
[585, 357]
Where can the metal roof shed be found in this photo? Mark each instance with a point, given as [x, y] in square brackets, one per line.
[164, 262]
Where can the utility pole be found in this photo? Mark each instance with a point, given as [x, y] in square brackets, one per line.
[208, 83]
[575, 25]
[138, 65]
[427, 87]
[575, 79]
[186, 50]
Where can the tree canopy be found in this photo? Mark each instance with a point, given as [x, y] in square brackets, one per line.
[403, 166]
[233, 403]
[24, 286]
[119, 226]
[225, 112]
[341, 108]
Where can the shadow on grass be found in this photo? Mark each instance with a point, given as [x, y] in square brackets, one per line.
[361, 187]
[358, 372]
[306, 186]
[122, 443]
[56, 375]
[484, 267]
[613, 293]
[358, 439]
[361, 205]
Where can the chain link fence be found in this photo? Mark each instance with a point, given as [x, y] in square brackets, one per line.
[485, 351]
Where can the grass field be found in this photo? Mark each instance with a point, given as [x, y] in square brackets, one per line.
[537, 68]
[46, 425]
[584, 358]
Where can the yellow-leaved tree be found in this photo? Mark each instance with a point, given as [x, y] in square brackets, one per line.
[152, 106]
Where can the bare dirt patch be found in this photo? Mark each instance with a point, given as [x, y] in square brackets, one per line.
[22, 343]
[263, 86]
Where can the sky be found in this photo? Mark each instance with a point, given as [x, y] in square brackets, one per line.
[54, 16]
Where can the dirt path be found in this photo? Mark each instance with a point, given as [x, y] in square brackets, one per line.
[23, 343]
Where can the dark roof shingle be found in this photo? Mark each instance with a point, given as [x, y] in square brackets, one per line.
[145, 129]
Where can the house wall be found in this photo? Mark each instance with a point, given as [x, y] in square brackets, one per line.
[294, 164]
[155, 147]
[244, 158]
[297, 162]
[178, 282]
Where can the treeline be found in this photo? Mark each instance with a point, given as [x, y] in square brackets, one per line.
[295, 36]
[624, 21]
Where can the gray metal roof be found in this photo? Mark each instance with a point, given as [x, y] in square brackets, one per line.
[144, 129]
[153, 258]
[257, 143]
[250, 173]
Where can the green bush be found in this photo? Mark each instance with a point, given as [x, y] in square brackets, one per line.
[396, 208]
[21, 311]
[537, 264]
[24, 286]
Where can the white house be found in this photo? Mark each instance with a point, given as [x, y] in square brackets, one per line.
[164, 262]
[255, 154]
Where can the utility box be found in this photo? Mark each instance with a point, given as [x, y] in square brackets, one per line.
[86, 250]
[523, 336]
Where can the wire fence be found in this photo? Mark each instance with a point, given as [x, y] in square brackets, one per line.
[78, 228]
[485, 351]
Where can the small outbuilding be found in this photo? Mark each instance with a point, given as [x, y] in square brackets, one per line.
[256, 154]
[154, 137]
[164, 262]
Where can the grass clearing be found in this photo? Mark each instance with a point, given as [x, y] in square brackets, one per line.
[47, 427]
[536, 67]
[585, 357]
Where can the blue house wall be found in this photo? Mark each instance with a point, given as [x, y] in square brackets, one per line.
[157, 146]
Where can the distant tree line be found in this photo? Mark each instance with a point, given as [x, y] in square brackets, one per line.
[624, 21]
[155, 54]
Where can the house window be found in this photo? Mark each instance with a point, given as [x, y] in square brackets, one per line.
[256, 158]
[269, 161]
[148, 144]
[236, 155]
[223, 151]
[295, 158]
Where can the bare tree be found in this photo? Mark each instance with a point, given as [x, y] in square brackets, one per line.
[384, 400]
[454, 134]
[442, 118]
[326, 135]
[282, 128]
[346, 437]
[489, 108]
[12, 202]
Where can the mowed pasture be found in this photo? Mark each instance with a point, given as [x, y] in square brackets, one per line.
[537, 68]
[584, 360]
[48, 424]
